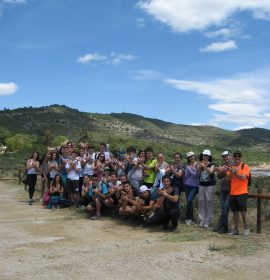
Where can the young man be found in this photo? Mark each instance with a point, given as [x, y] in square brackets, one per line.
[238, 174]
[222, 225]
[167, 206]
[128, 199]
[73, 167]
[149, 168]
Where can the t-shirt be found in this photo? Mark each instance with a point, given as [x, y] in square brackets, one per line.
[168, 204]
[191, 177]
[150, 173]
[240, 186]
[73, 174]
[207, 179]
[137, 173]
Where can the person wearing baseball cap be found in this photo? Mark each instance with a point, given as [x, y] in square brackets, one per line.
[222, 225]
[206, 188]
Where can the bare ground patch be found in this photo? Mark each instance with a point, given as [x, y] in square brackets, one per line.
[39, 243]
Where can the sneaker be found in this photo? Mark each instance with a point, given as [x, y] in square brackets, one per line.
[30, 202]
[206, 225]
[246, 231]
[192, 223]
[234, 232]
[188, 222]
[95, 217]
[201, 224]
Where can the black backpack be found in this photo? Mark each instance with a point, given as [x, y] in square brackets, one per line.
[249, 176]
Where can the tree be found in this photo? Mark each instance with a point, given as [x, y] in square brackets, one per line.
[19, 142]
[59, 140]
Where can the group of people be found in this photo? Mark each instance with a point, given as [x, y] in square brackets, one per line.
[141, 186]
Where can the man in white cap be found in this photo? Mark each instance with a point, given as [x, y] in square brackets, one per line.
[222, 225]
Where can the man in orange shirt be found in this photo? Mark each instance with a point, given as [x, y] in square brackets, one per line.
[238, 174]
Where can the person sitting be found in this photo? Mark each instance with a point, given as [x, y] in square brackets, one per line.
[56, 191]
[127, 200]
[144, 204]
[87, 194]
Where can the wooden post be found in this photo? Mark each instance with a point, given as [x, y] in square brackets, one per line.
[259, 213]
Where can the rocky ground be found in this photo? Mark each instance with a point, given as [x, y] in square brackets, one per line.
[39, 243]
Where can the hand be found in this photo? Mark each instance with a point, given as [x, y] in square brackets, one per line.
[161, 192]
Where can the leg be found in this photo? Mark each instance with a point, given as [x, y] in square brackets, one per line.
[202, 205]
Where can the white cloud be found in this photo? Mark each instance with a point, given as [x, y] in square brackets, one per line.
[90, 57]
[112, 58]
[14, 1]
[220, 47]
[8, 88]
[243, 99]
[190, 15]
[146, 75]
[118, 58]
[243, 127]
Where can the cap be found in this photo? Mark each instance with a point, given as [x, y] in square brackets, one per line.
[206, 152]
[237, 153]
[225, 153]
[190, 154]
[143, 188]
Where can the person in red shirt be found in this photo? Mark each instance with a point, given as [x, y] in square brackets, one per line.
[238, 175]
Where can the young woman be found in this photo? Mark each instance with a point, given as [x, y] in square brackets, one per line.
[99, 165]
[206, 188]
[32, 166]
[136, 176]
[191, 186]
[56, 191]
[53, 166]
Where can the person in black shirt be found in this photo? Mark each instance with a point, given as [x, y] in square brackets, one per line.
[167, 205]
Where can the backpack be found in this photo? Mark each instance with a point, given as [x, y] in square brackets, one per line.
[249, 175]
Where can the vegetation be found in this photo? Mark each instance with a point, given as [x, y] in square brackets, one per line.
[26, 129]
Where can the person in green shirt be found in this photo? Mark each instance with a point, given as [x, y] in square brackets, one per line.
[149, 168]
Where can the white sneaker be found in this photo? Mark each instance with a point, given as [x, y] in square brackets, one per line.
[201, 224]
[206, 225]
[188, 222]
[246, 232]
[192, 223]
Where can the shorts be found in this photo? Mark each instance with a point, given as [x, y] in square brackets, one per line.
[238, 202]
[72, 186]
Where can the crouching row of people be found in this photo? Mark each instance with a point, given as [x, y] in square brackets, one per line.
[159, 206]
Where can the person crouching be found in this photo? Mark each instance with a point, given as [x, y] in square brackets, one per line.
[167, 205]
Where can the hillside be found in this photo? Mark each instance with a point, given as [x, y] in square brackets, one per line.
[124, 128]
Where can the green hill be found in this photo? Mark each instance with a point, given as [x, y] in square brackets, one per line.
[44, 124]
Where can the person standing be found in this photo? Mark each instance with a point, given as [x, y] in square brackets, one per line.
[32, 166]
[149, 168]
[206, 188]
[222, 225]
[238, 175]
[191, 186]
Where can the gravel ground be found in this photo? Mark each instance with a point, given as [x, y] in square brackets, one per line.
[39, 243]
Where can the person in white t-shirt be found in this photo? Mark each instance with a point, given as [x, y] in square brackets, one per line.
[73, 167]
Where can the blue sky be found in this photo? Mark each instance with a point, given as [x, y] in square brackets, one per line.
[193, 62]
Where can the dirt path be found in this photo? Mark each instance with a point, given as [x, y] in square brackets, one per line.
[38, 243]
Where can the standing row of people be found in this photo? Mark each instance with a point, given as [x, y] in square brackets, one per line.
[165, 182]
